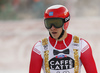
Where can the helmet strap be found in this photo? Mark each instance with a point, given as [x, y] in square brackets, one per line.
[50, 35]
[60, 34]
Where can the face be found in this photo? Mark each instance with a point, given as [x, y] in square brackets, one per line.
[55, 32]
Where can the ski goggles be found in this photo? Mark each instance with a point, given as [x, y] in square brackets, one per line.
[56, 22]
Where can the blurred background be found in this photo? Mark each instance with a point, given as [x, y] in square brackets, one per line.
[21, 26]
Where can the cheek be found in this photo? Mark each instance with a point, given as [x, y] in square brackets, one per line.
[49, 30]
[60, 31]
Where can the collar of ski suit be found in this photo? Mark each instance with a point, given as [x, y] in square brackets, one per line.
[60, 45]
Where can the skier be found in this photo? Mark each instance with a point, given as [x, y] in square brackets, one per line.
[61, 52]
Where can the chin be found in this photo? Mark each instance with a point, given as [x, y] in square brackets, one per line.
[55, 37]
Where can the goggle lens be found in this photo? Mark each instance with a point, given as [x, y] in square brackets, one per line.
[56, 22]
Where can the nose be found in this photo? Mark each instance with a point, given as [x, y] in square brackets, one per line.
[52, 27]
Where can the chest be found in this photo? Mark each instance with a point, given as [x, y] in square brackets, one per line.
[63, 59]
[68, 59]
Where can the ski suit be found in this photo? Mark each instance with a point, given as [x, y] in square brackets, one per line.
[66, 56]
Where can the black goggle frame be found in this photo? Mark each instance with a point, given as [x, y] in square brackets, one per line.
[63, 21]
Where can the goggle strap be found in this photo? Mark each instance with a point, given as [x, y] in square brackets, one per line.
[67, 19]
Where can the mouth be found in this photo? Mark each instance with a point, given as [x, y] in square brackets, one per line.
[54, 32]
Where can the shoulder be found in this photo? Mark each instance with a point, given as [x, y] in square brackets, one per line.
[84, 42]
[37, 48]
[84, 45]
[37, 44]
[81, 40]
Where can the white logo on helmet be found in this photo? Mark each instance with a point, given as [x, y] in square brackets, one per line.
[67, 19]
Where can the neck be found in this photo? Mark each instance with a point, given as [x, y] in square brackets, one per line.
[63, 37]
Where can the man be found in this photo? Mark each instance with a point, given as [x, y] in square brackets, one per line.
[61, 52]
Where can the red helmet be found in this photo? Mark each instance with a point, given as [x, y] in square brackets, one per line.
[58, 11]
